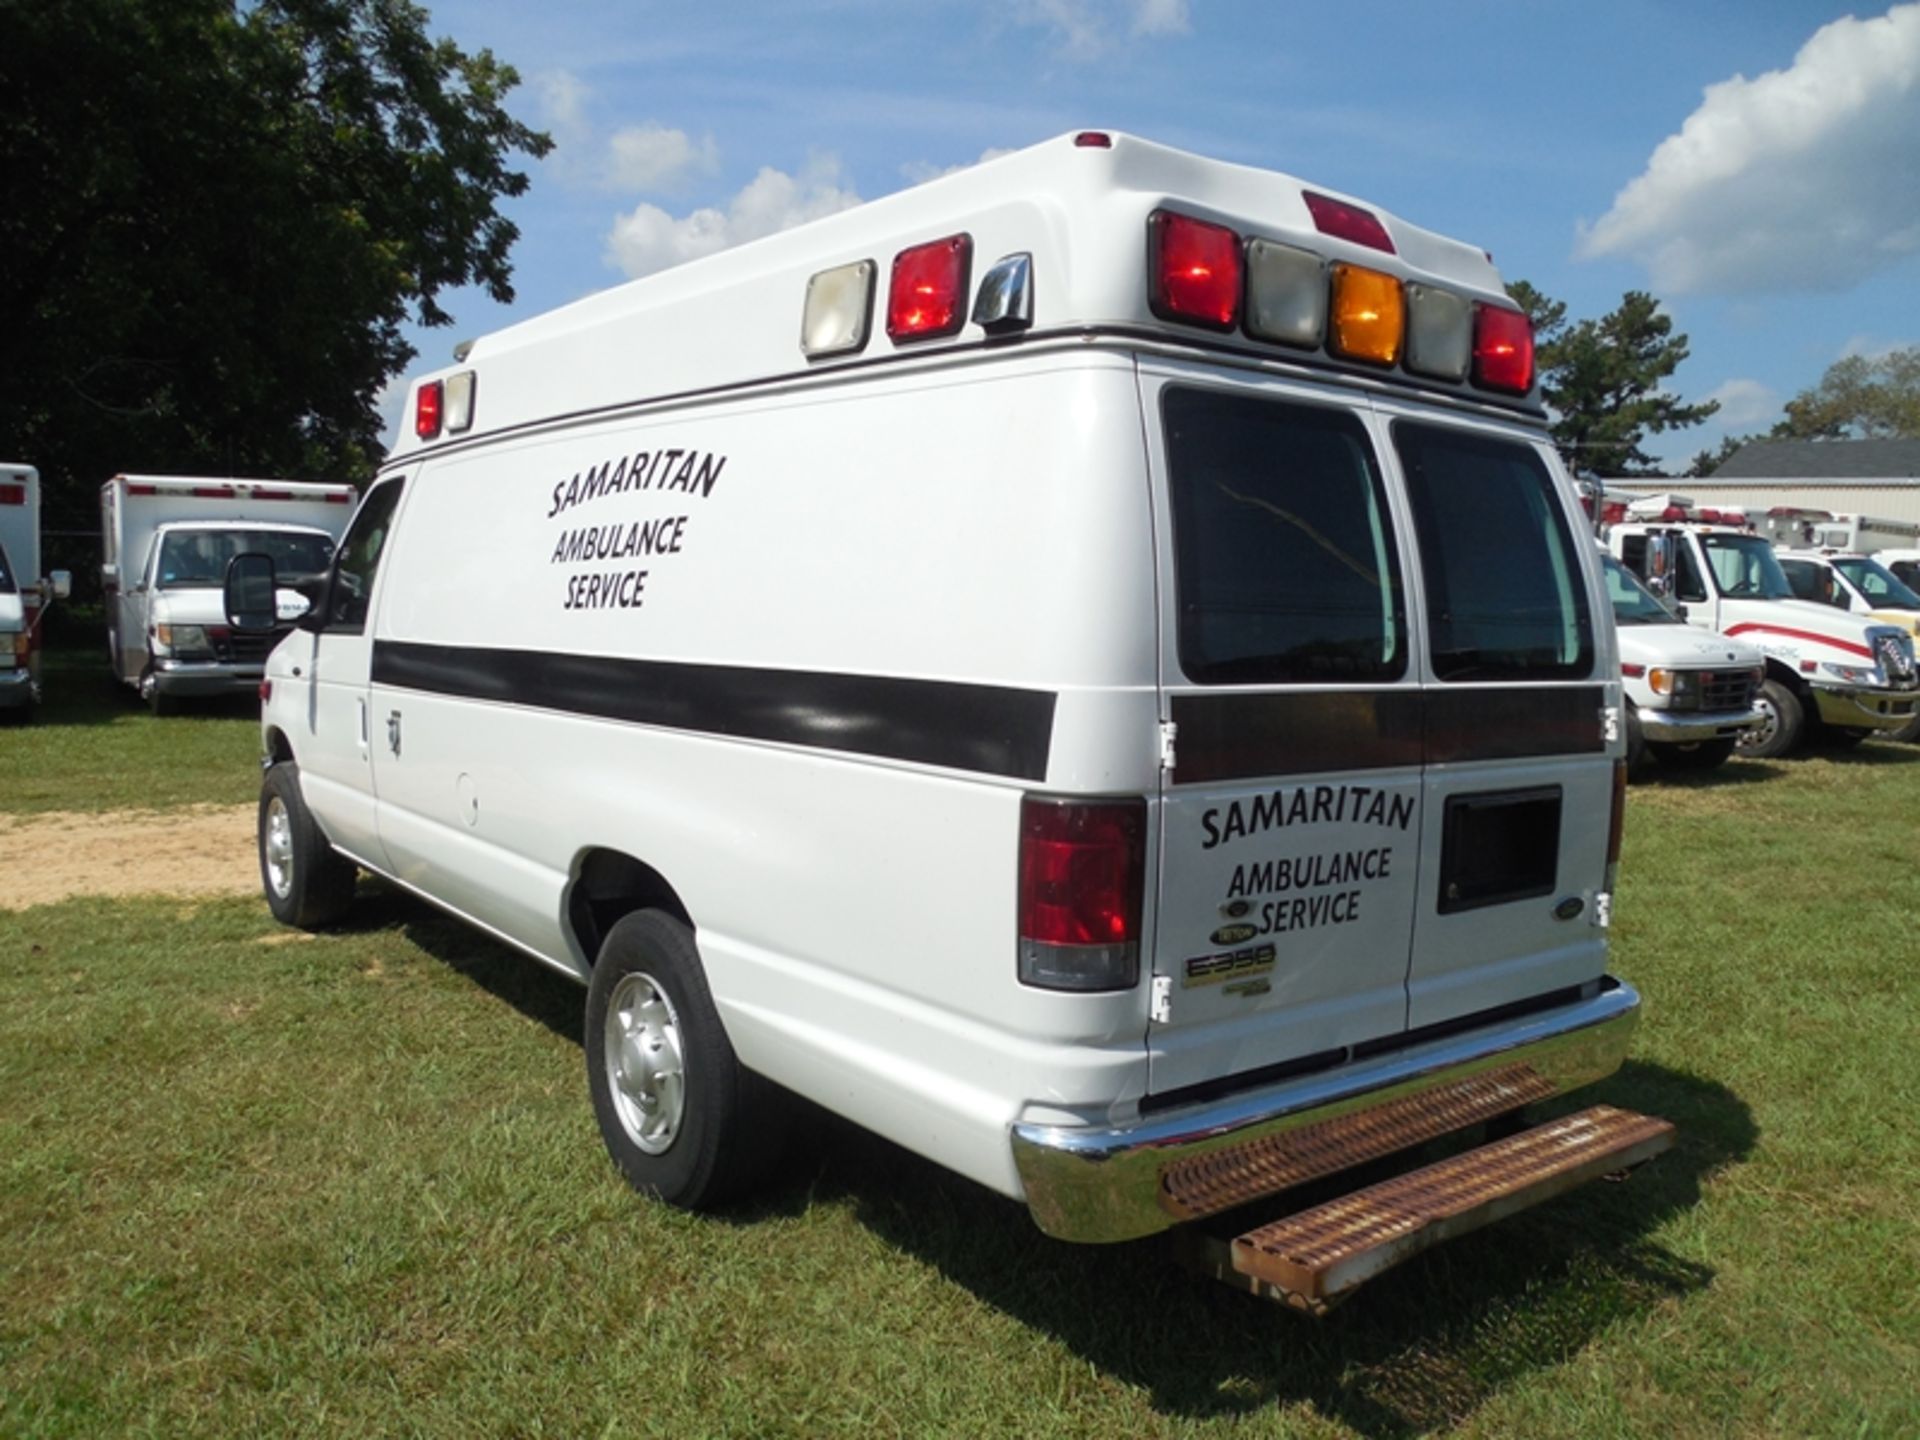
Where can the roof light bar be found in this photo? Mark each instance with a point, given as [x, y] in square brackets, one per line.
[839, 310]
[927, 296]
[1502, 349]
[1286, 294]
[1439, 332]
[427, 410]
[1369, 315]
[1193, 270]
[1345, 221]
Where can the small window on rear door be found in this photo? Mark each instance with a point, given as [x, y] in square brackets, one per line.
[1283, 555]
[1505, 597]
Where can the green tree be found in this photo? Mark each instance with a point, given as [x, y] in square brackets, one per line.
[1601, 378]
[216, 216]
[1705, 462]
[1859, 399]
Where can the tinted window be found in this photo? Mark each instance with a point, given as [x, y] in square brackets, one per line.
[359, 560]
[1808, 581]
[1691, 587]
[1505, 597]
[1632, 603]
[199, 558]
[7, 584]
[1284, 557]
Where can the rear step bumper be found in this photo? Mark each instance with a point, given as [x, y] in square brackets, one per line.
[1312, 1259]
[1120, 1182]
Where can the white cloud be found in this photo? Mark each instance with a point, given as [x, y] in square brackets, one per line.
[918, 172]
[647, 238]
[1744, 404]
[1802, 179]
[562, 97]
[391, 403]
[1868, 347]
[652, 157]
[1090, 29]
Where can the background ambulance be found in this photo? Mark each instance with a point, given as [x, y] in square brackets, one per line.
[1089, 667]
[24, 593]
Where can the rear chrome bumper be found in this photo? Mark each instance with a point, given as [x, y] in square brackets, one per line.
[1666, 727]
[1098, 1184]
[17, 687]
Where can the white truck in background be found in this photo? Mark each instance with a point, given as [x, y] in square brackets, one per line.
[166, 541]
[1860, 585]
[24, 593]
[1690, 694]
[1846, 676]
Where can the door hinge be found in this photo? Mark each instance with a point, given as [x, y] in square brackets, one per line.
[1609, 723]
[1161, 1012]
[1169, 732]
[1603, 909]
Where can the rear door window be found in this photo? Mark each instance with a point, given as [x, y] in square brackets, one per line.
[1283, 552]
[1505, 598]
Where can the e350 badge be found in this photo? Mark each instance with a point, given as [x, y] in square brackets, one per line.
[1232, 968]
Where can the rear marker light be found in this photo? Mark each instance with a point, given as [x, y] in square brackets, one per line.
[426, 410]
[1502, 349]
[839, 310]
[1369, 315]
[13, 494]
[927, 296]
[1439, 333]
[1093, 140]
[459, 402]
[1286, 294]
[1082, 877]
[1632, 672]
[266, 691]
[1193, 270]
[1348, 222]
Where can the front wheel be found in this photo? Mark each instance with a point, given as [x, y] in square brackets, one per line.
[1785, 717]
[309, 884]
[1700, 755]
[1908, 732]
[682, 1118]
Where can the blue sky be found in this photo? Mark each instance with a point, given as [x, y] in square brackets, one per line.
[1756, 165]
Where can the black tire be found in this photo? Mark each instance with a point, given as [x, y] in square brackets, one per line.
[1786, 721]
[724, 1135]
[1700, 755]
[308, 883]
[160, 703]
[1636, 744]
[1908, 732]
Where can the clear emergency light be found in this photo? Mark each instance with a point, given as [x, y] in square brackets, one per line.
[1439, 332]
[838, 310]
[1286, 294]
[459, 402]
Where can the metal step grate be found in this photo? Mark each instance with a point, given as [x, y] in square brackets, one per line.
[1312, 1258]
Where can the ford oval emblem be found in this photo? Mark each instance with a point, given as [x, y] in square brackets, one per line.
[1233, 934]
[1234, 909]
[1569, 907]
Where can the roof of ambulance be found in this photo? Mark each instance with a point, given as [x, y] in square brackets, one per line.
[1080, 210]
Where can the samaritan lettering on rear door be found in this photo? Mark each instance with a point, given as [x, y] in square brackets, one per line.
[609, 563]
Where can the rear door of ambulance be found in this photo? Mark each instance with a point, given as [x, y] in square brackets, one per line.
[1290, 855]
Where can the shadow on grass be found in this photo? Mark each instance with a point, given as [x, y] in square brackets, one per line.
[79, 689]
[1733, 773]
[1423, 1347]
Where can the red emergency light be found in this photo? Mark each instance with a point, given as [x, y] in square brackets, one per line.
[426, 410]
[1193, 270]
[1502, 349]
[927, 297]
[13, 494]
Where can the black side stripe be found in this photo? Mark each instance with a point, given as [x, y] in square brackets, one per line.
[993, 730]
[1234, 737]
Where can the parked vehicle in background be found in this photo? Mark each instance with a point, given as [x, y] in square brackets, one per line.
[1861, 585]
[166, 542]
[24, 592]
[1831, 673]
[1866, 534]
[1142, 732]
[1691, 694]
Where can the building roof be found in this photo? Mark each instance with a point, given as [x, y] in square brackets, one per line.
[1823, 460]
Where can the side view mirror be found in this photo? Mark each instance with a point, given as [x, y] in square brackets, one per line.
[1659, 576]
[61, 583]
[249, 593]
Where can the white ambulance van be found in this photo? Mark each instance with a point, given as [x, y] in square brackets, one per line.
[165, 544]
[24, 592]
[1088, 667]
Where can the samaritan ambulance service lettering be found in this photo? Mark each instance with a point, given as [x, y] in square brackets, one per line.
[606, 579]
[1307, 805]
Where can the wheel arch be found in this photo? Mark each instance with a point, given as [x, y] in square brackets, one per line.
[279, 749]
[608, 885]
[1788, 676]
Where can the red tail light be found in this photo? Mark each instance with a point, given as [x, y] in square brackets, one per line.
[1083, 872]
[1347, 222]
[266, 691]
[1502, 349]
[426, 410]
[927, 298]
[1193, 271]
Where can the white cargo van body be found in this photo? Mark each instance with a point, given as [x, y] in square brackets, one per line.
[1041, 722]
[20, 593]
[165, 543]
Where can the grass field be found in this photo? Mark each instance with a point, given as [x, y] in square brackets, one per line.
[255, 1183]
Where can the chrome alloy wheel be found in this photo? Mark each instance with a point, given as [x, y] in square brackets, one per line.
[277, 847]
[644, 1063]
[1769, 726]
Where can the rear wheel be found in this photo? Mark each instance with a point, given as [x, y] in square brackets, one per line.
[1700, 755]
[682, 1118]
[1784, 718]
[309, 884]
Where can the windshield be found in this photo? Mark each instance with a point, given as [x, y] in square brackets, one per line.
[191, 558]
[1877, 583]
[1743, 565]
[1633, 604]
[7, 586]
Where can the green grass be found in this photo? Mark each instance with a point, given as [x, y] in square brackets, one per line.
[95, 746]
[252, 1183]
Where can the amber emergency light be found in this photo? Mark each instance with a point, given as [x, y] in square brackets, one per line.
[1369, 315]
